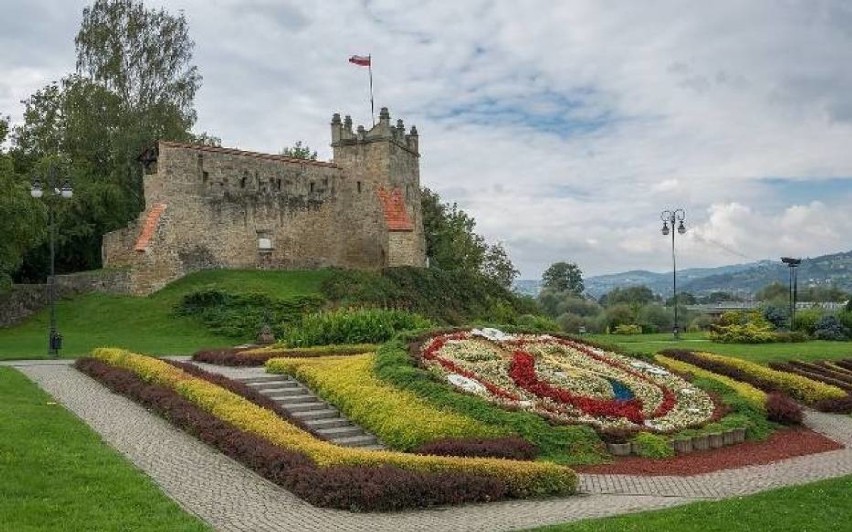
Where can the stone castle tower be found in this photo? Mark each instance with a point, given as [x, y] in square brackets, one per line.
[210, 207]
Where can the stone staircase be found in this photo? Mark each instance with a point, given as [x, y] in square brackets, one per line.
[320, 417]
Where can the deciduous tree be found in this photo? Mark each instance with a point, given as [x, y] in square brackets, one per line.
[564, 277]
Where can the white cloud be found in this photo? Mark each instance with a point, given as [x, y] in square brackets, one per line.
[563, 127]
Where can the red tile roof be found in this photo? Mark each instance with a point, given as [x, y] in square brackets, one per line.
[149, 226]
[396, 217]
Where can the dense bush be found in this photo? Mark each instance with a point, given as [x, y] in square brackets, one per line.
[563, 444]
[536, 323]
[510, 447]
[829, 328]
[777, 316]
[352, 326]
[653, 446]
[782, 409]
[448, 297]
[259, 356]
[627, 329]
[361, 488]
[241, 316]
[806, 320]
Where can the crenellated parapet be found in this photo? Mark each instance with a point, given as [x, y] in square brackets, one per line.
[342, 133]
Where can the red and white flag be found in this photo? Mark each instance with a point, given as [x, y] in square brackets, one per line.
[360, 60]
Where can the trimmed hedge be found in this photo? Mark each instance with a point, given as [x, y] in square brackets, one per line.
[782, 409]
[767, 379]
[352, 326]
[399, 418]
[522, 479]
[259, 356]
[381, 488]
[567, 444]
[509, 447]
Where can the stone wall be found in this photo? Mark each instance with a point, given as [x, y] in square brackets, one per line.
[24, 300]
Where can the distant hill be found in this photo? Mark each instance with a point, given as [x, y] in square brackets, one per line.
[835, 269]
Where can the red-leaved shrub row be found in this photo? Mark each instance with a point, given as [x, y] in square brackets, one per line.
[383, 488]
[782, 409]
[243, 358]
[510, 447]
[243, 390]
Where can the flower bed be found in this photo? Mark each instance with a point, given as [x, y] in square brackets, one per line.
[566, 381]
[258, 356]
[399, 418]
[753, 395]
[521, 479]
[769, 380]
[827, 372]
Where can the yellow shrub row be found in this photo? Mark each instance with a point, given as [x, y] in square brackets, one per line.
[802, 388]
[753, 395]
[401, 419]
[521, 478]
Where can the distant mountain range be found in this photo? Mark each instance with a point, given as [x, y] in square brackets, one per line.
[741, 279]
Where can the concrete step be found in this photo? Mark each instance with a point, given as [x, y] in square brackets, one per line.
[296, 408]
[281, 393]
[317, 414]
[335, 433]
[268, 385]
[295, 399]
[326, 423]
[261, 380]
[356, 441]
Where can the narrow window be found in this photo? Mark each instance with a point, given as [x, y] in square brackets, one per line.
[312, 187]
[243, 183]
[205, 176]
[359, 187]
[278, 184]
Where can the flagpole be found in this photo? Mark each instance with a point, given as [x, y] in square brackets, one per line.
[372, 105]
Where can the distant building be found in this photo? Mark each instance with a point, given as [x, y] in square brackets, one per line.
[209, 207]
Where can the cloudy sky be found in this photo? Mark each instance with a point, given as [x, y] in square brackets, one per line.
[564, 128]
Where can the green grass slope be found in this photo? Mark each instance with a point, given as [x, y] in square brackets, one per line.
[58, 475]
[147, 324]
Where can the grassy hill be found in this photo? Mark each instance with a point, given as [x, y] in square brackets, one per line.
[147, 324]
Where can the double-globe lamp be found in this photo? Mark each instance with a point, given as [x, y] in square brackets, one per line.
[53, 191]
[675, 217]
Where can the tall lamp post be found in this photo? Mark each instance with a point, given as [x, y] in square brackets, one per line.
[793, 287]
[54, 191]
[676, 216]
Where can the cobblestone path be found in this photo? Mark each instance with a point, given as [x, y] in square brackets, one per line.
[231, 497]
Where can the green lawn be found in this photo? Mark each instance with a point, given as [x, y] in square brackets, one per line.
[56, 473]
[651, 343]
[823, 505]
[146, 324]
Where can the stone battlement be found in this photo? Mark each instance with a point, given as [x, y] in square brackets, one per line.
[342, 134]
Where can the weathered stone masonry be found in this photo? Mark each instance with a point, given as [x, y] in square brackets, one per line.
[210, 207]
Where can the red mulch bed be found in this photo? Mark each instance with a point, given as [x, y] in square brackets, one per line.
[783, 444]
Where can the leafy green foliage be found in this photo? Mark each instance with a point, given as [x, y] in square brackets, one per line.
[24, 220]
[653, 445]
[300, 151]
[627, 329]
[241, 315]
[447, 297]
[563, 277]
[563, 444]
[352, 326]
[452, 244]
[830, 328]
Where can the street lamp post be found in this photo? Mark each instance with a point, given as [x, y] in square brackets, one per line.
[676, 216]
[793, 286]
[54, 191]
